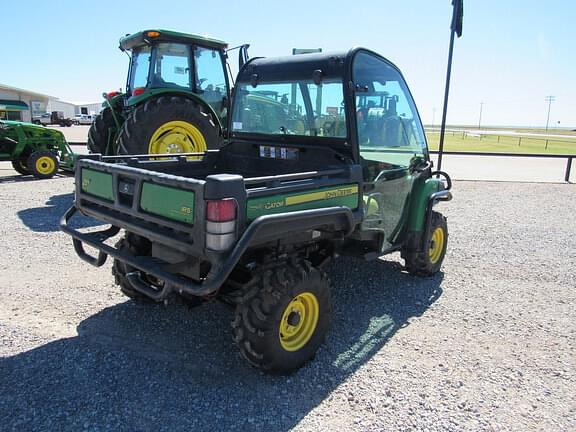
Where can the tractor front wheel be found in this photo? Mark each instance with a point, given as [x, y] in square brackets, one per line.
[429, 261]
[42, 164]
[283, 317]
[169, 124]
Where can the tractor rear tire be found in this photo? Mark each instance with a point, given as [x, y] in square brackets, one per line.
[98, 132]
[42, 164]
[169, 124]
[283, 317]
[120, 269]
[20, 166]
[428, 263]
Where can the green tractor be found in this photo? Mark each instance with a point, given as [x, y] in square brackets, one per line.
[34, 149]
[176, 101]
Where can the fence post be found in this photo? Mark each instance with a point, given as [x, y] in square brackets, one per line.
[498, 138]
[519, 141]
[568, 168]
[546, 146]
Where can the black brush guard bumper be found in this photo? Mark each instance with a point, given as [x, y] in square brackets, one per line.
[265, 228]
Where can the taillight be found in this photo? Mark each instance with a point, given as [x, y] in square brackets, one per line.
[221, 210]
[220, 224]
[138, 91]
[111, 94]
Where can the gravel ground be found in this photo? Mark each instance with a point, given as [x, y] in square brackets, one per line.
[489, 344]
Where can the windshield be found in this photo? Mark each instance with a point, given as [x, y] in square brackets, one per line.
[290, 108]
[389, 129]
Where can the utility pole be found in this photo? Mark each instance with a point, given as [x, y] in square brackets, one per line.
[549, 99]
[480, 117]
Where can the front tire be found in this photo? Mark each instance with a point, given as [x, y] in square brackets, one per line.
[42, 164]
[283, 318]
[428, 262]
[169, 124]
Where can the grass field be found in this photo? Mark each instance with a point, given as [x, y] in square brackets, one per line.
[460, 141]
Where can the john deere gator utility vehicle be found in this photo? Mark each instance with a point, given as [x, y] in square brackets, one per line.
[254, 223]
[34, 149]
[176, 101]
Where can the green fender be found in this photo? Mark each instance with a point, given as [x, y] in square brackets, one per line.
[141, 98]
[419, 202]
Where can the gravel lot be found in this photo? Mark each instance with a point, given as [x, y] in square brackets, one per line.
[487, 345]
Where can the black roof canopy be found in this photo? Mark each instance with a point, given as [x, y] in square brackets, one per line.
[333, 65]
[295, 67]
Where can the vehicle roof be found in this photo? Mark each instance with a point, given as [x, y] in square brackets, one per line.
[302, 66]
[139, 39]
[295, 66]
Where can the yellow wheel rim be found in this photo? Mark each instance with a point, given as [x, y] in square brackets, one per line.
[299, 321]
[436, 245]
[177, 137]
[45, 165]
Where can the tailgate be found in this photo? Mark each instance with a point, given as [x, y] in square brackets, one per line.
[158, 206]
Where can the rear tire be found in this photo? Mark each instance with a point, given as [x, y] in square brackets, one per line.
[42, 164]
[137, 247]
[429, 262]
[99, 130]
[20, 166]
[169, 124]
[283, 317]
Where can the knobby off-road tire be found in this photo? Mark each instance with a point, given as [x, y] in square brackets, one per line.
[169, 124]
[429, 262]
[283, 317]
[120, 269]
[98, 132]
[42, 164]
[20, 166]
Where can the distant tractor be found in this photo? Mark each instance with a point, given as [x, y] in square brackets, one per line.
[176, 101]
[34, 149]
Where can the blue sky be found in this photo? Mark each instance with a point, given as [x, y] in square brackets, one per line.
[511, 55]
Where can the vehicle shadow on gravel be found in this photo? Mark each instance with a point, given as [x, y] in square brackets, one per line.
[149, 367]
[19, 178]
[47, 217]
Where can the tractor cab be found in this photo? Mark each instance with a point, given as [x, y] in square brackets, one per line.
[165, 61]
[177, 96]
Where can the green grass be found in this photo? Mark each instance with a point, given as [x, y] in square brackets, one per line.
[459, 141]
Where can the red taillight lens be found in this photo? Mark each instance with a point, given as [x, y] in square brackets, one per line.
[221, 210]
[138, 91]
[112, 94]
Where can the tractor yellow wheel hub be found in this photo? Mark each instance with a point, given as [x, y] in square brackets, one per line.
[436, 245]
[45, 165]
[177, 137]
[299, 321]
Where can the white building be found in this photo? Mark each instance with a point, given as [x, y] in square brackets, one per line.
[23, 105]
[19, 104]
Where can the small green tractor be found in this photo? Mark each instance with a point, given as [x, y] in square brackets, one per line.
[34, 149]
[176, 101]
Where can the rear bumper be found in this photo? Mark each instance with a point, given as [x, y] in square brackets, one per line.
[265, 228]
